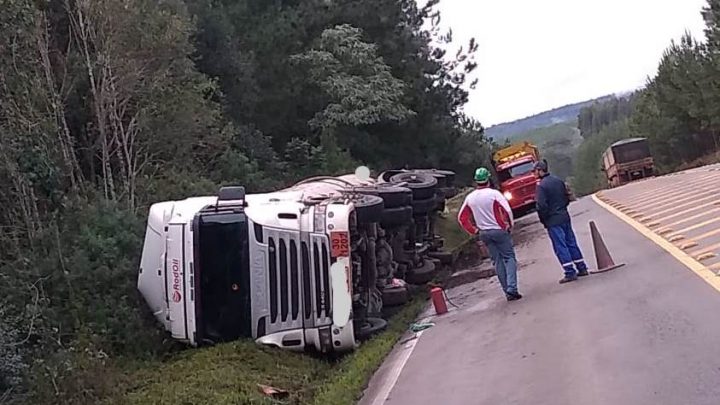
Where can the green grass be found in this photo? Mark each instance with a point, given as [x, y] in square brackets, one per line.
[230, 373]
[448, 227]
[350, 377]
[703, 161]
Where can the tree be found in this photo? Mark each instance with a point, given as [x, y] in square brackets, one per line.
[358, 86]
[107, 106]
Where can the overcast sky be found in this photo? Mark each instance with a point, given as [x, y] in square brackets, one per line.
[535, 55]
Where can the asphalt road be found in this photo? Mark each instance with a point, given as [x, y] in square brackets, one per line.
[646, 333]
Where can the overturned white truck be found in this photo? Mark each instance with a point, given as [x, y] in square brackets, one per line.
[260, 266]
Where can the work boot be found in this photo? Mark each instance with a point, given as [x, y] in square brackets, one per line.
[513, 296]
[568, 279]
[583, 273]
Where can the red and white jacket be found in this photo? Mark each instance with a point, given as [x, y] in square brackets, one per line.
[485, 209]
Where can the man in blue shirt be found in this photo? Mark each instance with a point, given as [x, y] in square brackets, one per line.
[553, 198]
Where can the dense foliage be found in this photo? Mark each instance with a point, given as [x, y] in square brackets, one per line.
[107, 106]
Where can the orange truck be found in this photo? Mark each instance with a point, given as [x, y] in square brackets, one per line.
[514, 168]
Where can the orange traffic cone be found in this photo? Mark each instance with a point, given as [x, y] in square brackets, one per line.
[602, 255]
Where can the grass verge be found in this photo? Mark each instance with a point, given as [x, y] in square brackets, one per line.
[230, 373]
[703, 161]
[353, 373]
[447, 225]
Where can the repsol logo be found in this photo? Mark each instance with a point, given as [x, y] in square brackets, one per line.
[175, 269]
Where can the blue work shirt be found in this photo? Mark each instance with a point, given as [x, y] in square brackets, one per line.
[552, 201]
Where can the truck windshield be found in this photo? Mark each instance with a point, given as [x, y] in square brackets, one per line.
[516, 171]
[224, 275]
[631, 151]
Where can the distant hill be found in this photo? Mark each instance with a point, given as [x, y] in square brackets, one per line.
[549, 134]
[558, 144]
[548, 118]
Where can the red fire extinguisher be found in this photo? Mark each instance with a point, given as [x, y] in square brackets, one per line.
[438, 298]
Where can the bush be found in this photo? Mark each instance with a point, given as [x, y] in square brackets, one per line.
[91, 285]
[74, 297]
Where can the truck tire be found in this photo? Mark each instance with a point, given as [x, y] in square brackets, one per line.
[394, 296]
[370, 327]
[519, 212]
[369, 208]
[393, 196]
[396, 217]
[423, 207]
[421, 275]
[423, 185]
[386, 175]
[443, 256]
[440, 198]
[445, 178]
[450, 192]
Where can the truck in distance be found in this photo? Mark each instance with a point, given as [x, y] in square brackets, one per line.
[627, 160]
[516, 180]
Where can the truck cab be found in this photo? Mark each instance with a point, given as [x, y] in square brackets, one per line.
[514, 168]
[231, 266]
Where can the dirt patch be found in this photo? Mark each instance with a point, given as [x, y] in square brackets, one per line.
[470, 276]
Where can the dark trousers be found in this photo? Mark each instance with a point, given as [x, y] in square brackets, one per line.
[566, 248]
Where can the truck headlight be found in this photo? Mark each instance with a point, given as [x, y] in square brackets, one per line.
[508, 195]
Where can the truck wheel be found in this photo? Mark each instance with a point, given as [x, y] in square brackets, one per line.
[369, 208]
[422, 207]
[450, 192]
[386, 175]
[394, 296]
[422, 185]
[421, 275]
[445, 178]
[444, 257]
[441, 180]
[519, 212]
[370, 327]
[395, 217]
[440, 198]
[392, 196]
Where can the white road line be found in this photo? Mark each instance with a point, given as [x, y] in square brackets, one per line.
[394, 374]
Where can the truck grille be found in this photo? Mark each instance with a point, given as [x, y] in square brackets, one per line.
[284, 280]
[298, 280]
[526, 190]
[320, 276]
